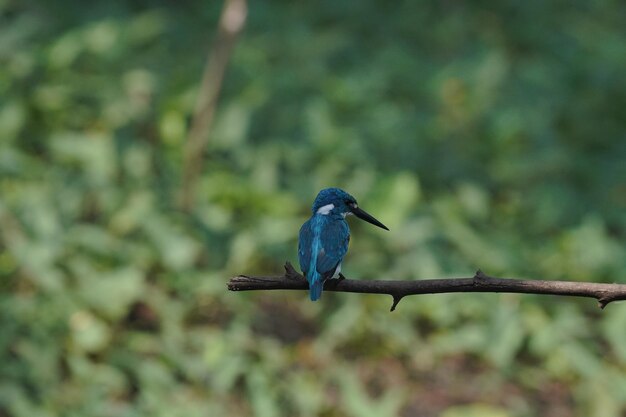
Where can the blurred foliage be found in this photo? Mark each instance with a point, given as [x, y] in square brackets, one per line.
[484, 135]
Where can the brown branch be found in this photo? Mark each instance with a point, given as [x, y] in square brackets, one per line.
[292, 280]
[230, 25]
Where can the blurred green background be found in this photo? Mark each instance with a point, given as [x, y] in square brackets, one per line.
[484, 135]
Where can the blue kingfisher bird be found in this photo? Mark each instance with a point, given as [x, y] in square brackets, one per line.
[324, 237]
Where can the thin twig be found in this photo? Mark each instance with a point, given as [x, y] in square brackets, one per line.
[292, 280]
[231, 23]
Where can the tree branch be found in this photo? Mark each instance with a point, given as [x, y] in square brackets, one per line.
[230, 25]
[292, 280]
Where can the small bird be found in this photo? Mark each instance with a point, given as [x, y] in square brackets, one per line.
[324, 237]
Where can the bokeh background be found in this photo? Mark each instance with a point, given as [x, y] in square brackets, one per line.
[484, 134]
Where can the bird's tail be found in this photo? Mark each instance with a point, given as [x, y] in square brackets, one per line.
[315, 286]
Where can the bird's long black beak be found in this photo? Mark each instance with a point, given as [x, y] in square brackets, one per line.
[362, 214]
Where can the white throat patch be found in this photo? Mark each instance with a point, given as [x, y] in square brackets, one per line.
[324, 210]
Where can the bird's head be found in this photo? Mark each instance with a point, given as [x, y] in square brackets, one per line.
[337, 201]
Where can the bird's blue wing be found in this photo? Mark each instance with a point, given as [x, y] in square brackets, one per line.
[308, 248]
[322, 244]
[334, 241]
[305, 243]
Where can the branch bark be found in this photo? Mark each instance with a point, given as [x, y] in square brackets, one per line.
[480, 282]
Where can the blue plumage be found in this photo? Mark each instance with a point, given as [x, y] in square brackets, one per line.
[324, 238]
[323, 244]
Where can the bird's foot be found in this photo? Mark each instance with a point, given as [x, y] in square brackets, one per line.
[336, 281]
